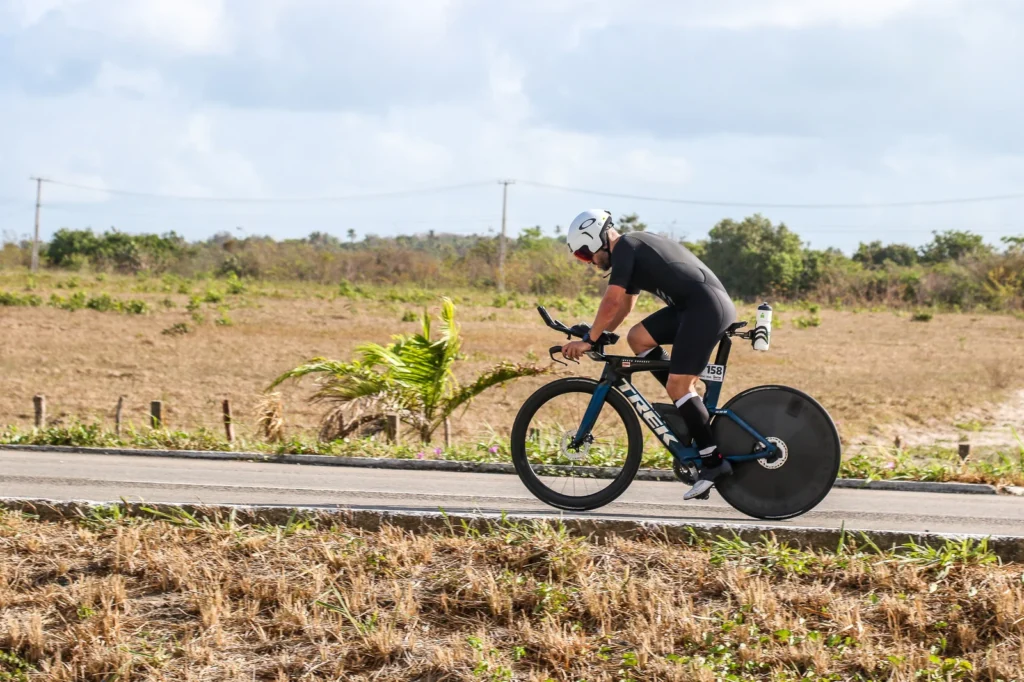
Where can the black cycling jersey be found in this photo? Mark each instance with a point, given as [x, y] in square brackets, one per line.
[699, 308]
[648, 262]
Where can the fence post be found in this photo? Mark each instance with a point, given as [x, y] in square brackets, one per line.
[117, 416]
[447, 433]
[156, 413]
[392, 428]
[965, 451]
[39, 403]
[898, 442]
[229, 426]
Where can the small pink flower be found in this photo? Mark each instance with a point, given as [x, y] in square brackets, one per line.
[438, 451]
[419, 455]
[890, 465]
[493, 449]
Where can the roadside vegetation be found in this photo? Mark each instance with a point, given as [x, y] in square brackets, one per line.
[156, 596]
[753, 256]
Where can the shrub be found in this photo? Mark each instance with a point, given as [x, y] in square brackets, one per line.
[8, 298]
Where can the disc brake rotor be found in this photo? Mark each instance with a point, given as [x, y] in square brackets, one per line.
[578, 455]
[780, 457]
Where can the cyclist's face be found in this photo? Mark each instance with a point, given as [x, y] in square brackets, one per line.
[603, 259]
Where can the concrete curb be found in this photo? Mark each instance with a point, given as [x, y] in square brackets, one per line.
[1008, 548]
[476, 467]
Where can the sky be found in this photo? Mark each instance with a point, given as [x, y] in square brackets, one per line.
[305, 109]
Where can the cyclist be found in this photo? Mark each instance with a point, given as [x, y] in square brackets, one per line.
[698, 312]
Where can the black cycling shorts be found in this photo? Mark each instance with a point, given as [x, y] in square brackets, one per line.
[694, 330]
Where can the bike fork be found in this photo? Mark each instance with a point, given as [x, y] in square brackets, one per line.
[594, 408]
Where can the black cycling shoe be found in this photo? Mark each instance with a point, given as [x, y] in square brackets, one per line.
[706, 480]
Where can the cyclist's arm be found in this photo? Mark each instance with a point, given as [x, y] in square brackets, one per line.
[615, 306]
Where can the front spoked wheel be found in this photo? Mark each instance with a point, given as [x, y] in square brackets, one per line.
[575, 479]
[796, 479]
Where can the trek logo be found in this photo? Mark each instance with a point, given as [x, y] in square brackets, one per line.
[648, 414]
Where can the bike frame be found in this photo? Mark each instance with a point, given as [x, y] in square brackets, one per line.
[618, 369]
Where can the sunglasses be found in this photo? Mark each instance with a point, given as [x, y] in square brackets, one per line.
[585, 254]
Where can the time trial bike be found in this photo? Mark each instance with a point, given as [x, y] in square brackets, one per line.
[577, 443]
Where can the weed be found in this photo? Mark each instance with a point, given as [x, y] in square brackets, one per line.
[177, 329]
[235, 285]
[972, 425]
[13, 668]
[27, 300]
[921, 316]
[72, 303]
[409, 316]
[805, 322]
[348, 290]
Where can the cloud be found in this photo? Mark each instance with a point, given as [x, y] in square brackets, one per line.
[774, 101]
[188, 26]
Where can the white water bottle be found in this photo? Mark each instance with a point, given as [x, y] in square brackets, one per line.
[762, 327]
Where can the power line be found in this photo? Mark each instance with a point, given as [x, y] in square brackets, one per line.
[751, 204]
[258, 214]
[541, 185]
[273, 200]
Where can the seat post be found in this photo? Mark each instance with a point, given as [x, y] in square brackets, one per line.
[724, 346]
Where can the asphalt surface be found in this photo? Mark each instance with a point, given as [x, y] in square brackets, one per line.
[63, 476]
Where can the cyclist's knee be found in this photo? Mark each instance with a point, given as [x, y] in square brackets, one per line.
[639, 339]
[681, 384]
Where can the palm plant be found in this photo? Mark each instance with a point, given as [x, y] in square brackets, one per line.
[411, 377]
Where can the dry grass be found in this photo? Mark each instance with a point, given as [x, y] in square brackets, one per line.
[877, 372]
[108, 599]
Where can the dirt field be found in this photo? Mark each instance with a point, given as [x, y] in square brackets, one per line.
[878, 373]
[107, 598]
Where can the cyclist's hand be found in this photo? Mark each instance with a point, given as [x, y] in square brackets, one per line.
[574, 349]
[579, 329]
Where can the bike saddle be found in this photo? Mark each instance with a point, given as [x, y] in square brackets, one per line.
[737, 326]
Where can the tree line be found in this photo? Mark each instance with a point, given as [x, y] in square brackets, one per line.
[754, 258]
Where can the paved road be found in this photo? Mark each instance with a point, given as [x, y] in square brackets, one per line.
[63, 476]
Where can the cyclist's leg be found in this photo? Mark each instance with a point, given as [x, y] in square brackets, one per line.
[645, 338]
[708, 315]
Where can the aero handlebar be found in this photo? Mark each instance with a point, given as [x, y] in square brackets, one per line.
[578, 330]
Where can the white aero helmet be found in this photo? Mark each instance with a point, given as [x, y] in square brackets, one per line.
[587, 233]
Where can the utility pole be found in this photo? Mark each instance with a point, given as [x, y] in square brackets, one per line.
[35, 241]
[501, 242]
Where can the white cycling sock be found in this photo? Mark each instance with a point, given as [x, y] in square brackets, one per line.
[691, 394]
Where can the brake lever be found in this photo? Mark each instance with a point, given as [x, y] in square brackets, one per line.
[558, 349]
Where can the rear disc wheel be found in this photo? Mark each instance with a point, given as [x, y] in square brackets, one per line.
[796, 479]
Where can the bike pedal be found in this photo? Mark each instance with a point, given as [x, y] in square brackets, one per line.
[705, 495]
